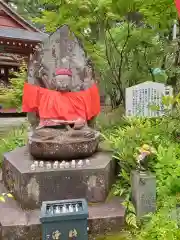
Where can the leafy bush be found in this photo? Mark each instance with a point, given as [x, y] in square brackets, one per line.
[162, 225]
[125, 142]
[11, 96]
[17, 137]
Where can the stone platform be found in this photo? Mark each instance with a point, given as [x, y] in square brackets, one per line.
[18, 224]
[92, 182]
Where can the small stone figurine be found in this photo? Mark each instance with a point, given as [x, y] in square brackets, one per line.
[33, 167]
[73, 164]
[64, 209]
[71, 209]
[80, 163]
[87, 162]
[55, 165]
[41, 164]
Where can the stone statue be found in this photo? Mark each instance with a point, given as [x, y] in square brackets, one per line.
[61, 65]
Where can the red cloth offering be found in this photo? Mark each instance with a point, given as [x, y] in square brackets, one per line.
[177, 2]
[68, 106]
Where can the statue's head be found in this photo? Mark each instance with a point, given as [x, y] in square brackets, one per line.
[63, 79]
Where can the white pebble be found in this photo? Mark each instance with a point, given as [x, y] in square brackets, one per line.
[36, 163]
[33, 167]
[56, 162]
[48, 165]
[41, 164]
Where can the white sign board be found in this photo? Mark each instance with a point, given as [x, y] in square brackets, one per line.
[140, 99]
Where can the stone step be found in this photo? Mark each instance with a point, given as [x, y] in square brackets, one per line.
[18, 224]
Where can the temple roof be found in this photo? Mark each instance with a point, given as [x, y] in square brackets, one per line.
[16, 17]
[21, 34]
[14, 27]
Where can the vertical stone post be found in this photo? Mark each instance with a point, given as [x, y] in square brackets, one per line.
[143, 185]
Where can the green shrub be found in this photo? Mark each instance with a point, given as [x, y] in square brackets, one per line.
[11, 96]
[162, 224]
[158, 133]
[17, 137]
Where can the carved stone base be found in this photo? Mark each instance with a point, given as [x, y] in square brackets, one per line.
[30, 188]
[63, 146]
[18, 224]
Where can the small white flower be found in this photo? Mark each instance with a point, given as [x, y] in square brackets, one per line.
[87, 31]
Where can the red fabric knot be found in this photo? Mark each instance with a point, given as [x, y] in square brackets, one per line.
[63, 71]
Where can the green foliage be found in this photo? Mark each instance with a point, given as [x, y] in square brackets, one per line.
[11, 96]
[17, 137]
[162, 224]
[162, 134]
[125, 39]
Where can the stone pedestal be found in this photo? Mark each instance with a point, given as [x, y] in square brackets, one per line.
[30, 188]
[18, 224]
[143, 186]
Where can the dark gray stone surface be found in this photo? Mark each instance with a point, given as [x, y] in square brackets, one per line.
[64, 145]
[18, 224]
[143, 192]
[30, 188]
[61, 49]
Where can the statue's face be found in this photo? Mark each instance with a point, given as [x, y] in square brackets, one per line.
[63, 83]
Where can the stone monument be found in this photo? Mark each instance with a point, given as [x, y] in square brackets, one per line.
[61, 160]
[61, 64]
[143, 183]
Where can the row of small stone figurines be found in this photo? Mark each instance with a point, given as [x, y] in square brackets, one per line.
[64, 209]
[57, 164]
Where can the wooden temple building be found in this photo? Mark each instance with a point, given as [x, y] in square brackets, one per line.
[18, 39]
